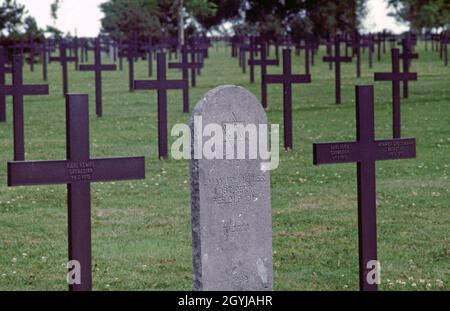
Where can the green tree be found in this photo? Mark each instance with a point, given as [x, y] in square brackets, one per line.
[11, 15]
[298, 17]
[156, 19]
[422, 14]
[32, 31]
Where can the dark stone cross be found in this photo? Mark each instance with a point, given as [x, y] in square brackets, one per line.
[406, 56]
[196, 57]
[161, 85]
[395, 76]
[378, 41]
[329, 51]
[263, 62]
[18, 90]
[185, 65]
[356, 45]
[368, 42]
[97, 67]
[63, 59]
[308, 50]
[44, 49]
[194, 64]
[78, 172]
[337, 59]
[444, 48]
[31, 52]
[131, 53]
[287, 79]
[365, 152]
[253, 49]
[3, 71]
[243, 49]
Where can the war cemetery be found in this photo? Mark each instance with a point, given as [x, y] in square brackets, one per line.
[225, 145]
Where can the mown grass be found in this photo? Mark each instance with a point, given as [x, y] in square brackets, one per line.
[141, 229]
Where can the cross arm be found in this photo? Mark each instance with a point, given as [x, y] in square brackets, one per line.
[65, 172]
[167, 84]
[259, 62]
[342, 59]
[94, 67]
[329, 153]
[409, 55]
[37, 173]
[395, 149]
[110, 169]
[388, 76]
[176, 65]
[26, 89]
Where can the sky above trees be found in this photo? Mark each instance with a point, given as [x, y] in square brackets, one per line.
[82, 17]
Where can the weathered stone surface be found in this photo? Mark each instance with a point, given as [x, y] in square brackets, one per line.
[231, 210]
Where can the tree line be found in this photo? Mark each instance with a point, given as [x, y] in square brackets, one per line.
[161, 20]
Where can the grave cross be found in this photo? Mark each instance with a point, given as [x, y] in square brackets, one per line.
[18, 90]
[196, 57]
[243, 49]
[253, 49]
[308, 50]
[287, 79]
[406, 58]
[161, 85]
[365, 151]
[444, 48]
[130, 52]
[263, 62]
[185, 65]
[337, 59]
[78, 172]
[63, 59]
[395, 76]
[44, 49]
[3, 71]
[356, 46]
[97, 67]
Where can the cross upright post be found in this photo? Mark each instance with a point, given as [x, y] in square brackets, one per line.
[356, 46]
[63, 59]
[3, 71]
[161, 85]
[287, 79]
[395, 76]
[263, 62]
[18, 90]
[337, 59]
[97, 67]
[185, 65]
[365, 152]
[407, 56]
[78, 172]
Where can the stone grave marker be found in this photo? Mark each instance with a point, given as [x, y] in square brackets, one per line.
[230, 201]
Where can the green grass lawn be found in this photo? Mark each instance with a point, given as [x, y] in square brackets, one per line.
[141, 234]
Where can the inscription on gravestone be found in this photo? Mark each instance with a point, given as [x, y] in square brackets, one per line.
[231, 211]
